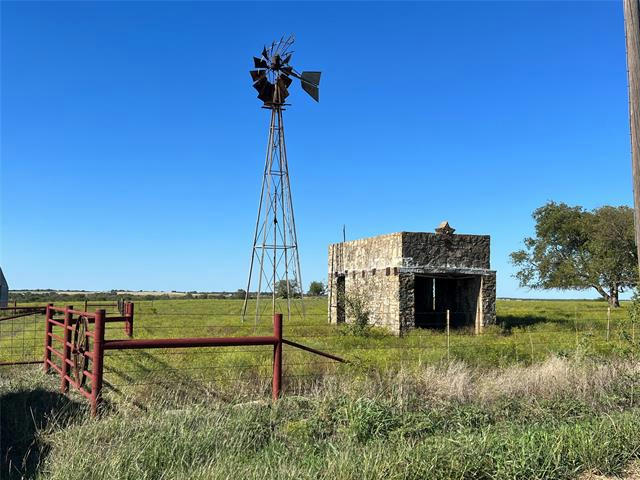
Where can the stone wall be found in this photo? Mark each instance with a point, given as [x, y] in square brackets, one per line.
[366, 254]
[421, 249]
[382, 271]
[369, 267]
[488, 298]
[406, 318]
[380, 292]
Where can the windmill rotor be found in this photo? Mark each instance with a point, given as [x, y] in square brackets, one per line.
[273, 72]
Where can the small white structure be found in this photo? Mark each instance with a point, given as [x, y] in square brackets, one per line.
[4, 290]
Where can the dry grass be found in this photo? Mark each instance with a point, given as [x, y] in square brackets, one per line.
[632, 472]
[556, 419]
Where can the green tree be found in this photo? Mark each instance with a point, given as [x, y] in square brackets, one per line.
[357, 302]
[316, 289]
[283, 292]
[577, 249]
[240, 293]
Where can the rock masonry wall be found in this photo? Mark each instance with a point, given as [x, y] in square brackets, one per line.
[381, 270]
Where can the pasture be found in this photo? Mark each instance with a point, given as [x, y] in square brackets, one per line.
[527, 332]
[543, 394]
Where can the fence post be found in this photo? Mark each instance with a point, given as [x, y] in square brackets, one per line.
[66, 349]
[98, 361]
[86, 305]
[277, 356]
[608, 322]
[575, 324]
[47, 337]
[128, 323]
[448, 338]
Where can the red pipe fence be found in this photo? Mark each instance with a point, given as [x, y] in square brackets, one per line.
[90, 346]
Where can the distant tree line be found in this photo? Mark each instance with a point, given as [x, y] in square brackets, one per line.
[44, 295]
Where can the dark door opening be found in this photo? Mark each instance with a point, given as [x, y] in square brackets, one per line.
[433, 296]
[340, 300]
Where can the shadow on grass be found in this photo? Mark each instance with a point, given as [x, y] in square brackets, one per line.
[508, 322]
[22, 414]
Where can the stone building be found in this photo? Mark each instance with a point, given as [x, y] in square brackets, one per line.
[410, 279]
[4, 290]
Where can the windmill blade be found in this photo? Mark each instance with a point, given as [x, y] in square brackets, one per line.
[288, 42]
[266, 92]
[284, 92]
[265, 54]
[257, 74]
[261, 83]
[287, 58]
[286, 81]
[259, 63]
[279, 44]
[283, 85]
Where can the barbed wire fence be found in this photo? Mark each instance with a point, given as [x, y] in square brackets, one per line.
[519, 337]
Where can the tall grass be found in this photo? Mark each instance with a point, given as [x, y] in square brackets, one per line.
[555, 419]
[543, 394]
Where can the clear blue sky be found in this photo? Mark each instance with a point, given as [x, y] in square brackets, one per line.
[133, 144]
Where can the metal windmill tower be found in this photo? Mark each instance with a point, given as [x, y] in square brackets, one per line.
[275, 264]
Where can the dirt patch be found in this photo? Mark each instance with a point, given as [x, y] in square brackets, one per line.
[632, 473]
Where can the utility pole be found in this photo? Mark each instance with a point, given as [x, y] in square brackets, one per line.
[632, 31]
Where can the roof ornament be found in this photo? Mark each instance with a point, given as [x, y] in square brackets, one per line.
[445, 229]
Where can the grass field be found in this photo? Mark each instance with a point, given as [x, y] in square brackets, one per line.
[544, 394]
[527, 331]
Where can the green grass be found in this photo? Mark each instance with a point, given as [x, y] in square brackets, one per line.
[543, 394]
[527, 332]
[557, 419]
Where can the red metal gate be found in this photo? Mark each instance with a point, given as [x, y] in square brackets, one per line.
[75, 351]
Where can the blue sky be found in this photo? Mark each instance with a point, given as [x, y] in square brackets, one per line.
[133, 145]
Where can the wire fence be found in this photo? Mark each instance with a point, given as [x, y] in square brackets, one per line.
[522, 335]
[22, 330]
[518, 337]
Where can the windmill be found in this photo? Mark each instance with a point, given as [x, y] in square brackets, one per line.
[274, 269]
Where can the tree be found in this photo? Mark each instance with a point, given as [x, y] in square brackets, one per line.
[240, 293]
[316, 289]
[357, 302]
[282, 292]
[577, 249]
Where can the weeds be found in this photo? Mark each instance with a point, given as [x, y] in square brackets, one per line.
[555, 419]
